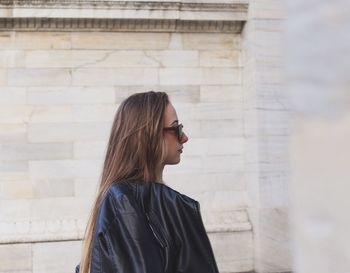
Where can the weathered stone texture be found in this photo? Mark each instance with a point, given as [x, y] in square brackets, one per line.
[59, 94]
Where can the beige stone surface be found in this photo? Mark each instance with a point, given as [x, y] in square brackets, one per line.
[177, 93]
[3, 76]
[12, 96]
[236, 256]
[221, 93]
[61, 90]
[69, 95]
[220, 58]
[13, 132]
[89, 149]
[198, 76]
[17, 188]
[217, 41]
[38, 77]
[66, 168]
[94, 113]
[16, 258]
[114, 76]
[65, 132]
[53, 187]
[39, 40]
[56, 257]
[35, 151]
[189, 183]
[12, 58]
[120, 40]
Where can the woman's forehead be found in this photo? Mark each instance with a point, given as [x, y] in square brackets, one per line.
[170, 114]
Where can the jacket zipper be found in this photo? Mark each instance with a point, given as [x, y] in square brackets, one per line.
[155, 233]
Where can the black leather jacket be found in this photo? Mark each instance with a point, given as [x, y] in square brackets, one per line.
[150, 228]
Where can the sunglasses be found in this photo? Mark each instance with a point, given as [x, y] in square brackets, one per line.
[177, 129]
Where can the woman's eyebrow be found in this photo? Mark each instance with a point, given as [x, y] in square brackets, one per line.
[175, 121]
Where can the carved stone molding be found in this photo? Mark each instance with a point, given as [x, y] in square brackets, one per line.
[119, 25]
[73, 229]
[123, 15]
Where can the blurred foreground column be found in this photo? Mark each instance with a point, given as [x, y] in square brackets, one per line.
[319, 68]
[266, 131]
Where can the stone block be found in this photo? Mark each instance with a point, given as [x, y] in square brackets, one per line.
[15, 114]
[12, 96]
[272, 97]
[188, 183]
[56, 257]
[273, 123]
[15, 209]
[89, 149]
[221, 128]
[212, 41]
[220, 200]
[16, 258]
[52, 113]
[6, 38]
[223, 76]
[268, 9]
[51, 187]
[38, 77]
[210, 164]
[109, 59]
[220, 58]
[233, 251]
[177, 93]
[70, 95]
[52, 208]
[10, 166]
[35, 151]
[3, 77]
[41, 169]
[266, 74]
[39, 40]
[10, 132]
[66, 132]
[273, 190]
[176, 41]
[116, 76]
[221, 93]
[90, 58]
[86, 187]
[218, 111]
[120, 40]
[12, 58]
[274, 240]
[220, 146]
[199, 76]
[94, 113]
[174, 58]
[17, 188]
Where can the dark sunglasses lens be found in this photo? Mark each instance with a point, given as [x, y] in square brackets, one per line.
[179, 131]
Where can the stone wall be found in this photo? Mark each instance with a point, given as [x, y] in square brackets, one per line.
[266, 130]
[59, 93]
[63, 73]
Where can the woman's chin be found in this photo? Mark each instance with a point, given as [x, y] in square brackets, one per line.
[174, 161]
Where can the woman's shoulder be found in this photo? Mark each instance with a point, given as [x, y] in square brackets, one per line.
[146, 192]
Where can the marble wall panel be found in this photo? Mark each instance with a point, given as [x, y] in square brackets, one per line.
[121, 40]
[16, 258]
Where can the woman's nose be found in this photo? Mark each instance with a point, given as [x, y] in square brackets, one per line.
[184, 138]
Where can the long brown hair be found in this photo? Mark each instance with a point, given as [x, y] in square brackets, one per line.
[135, 151]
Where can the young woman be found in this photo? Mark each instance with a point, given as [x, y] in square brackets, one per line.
[138, 224]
